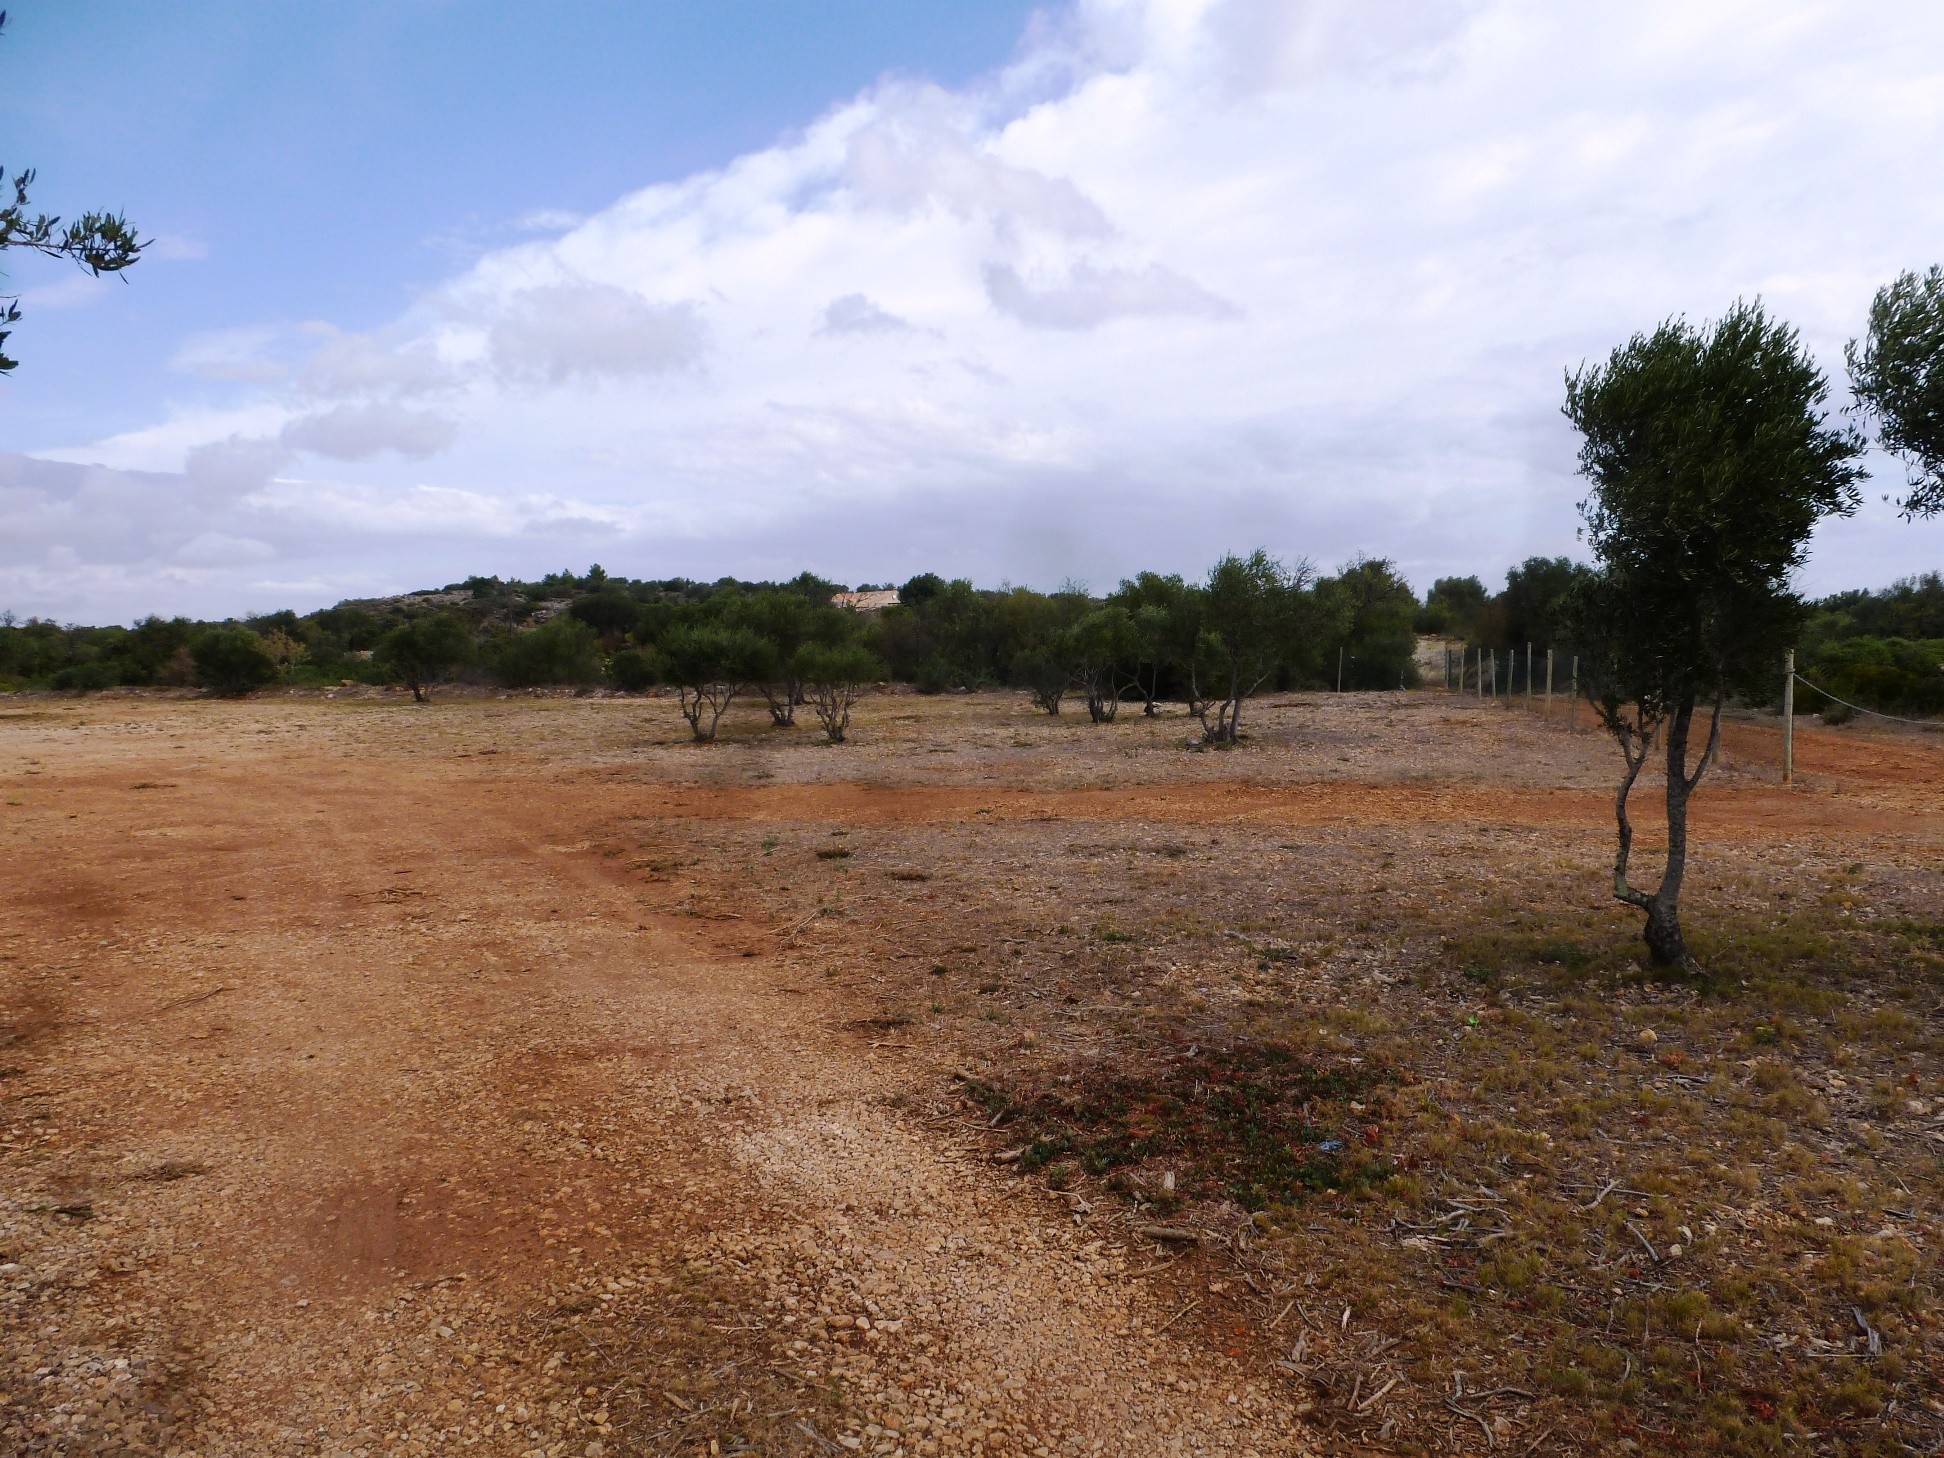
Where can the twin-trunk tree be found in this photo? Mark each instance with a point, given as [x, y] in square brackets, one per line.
[1710, 462]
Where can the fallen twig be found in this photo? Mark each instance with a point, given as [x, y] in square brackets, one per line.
[795, 927]
[1870, 1333]
[1168, 1232]
[1375, 1397]
[1177, 1316]
[1594, 1203]
[1652, 1254]
[194, 997]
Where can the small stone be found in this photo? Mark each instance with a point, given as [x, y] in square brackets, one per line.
[1647, 1038]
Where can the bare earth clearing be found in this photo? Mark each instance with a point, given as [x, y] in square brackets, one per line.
[509, 1075]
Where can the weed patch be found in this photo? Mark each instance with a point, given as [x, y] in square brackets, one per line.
[1252, 1122]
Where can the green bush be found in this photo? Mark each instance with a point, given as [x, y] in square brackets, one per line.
[562, 650]
[95, 675]
[1890, 675]
[421, 652]
[632, 670]
[934, 676]
[231, 661]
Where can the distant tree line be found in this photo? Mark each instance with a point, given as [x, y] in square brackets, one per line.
[1154, 639]
[1251, 623]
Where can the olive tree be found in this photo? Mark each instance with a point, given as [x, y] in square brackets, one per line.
[423, 651]
[834, 676]
[786, 620]
[230, 660]
[1164, 624]
[1105, 652]
[710, 665]
[1710, 461]
[1897, 374]
[1252, 615]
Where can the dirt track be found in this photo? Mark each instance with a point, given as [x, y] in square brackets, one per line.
[358, 1098]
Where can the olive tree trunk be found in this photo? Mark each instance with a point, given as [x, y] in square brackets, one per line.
[1662, 933]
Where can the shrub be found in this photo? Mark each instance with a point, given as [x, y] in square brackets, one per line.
[632, 670]
[710, 665]
[425, 650]
[562, 650]
[94, 675]
[231, 661]
[934, 676]
[835, 678]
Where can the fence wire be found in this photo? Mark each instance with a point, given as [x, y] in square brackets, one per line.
[1878, 713]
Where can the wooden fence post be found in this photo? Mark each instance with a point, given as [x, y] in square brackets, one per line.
[1788, 718]
[1549, 661]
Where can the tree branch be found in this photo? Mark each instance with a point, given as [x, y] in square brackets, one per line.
[1708, 754]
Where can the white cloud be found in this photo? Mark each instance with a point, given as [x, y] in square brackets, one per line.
[175, 247]
[856, 314]
[558, 332]
[75, 291]
[1190, 274]
[1089, 296]
[376, 364]
[548, 220]
[358, 432]
[247, 353]
[217, 549]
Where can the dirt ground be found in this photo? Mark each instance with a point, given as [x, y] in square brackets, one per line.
[509, 1074]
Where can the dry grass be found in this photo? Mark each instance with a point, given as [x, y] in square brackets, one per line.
[1483, 1180]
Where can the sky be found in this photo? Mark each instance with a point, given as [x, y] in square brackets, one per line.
[1026, 294]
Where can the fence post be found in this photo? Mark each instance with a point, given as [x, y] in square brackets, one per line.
[1788, 718]
[1572, 714]
[1528, 674]
[1549, 661]
[1339, 670]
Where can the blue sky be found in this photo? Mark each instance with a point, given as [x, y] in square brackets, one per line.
[332, 159]
[442, 286]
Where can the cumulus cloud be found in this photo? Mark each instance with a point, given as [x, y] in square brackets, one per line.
[548, 220]
[247, 354]
[1089, 296]
[856, 314]
[1186, 275]
[560, 331]
[219, 549]
[358, 432]
[1260, 45]
[912, 159]
[374, 364]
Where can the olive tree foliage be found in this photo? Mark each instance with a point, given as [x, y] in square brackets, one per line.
[787, 621]
[425, 650]
[1044, 664]
[1252, 613]
[711, 664]
[231, 660]
[1710, 461]
[1897, 374]
[99, 242]
[834, 676]
[1163, 628]
[1104, 650]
